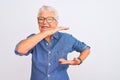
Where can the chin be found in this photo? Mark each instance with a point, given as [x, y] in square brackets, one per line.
[43, 30]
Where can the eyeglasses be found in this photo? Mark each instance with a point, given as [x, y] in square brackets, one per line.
[48, 19]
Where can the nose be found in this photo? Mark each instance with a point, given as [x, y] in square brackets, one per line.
[45, 22]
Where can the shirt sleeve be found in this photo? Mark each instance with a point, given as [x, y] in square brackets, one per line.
[79, 46]
[30, 51]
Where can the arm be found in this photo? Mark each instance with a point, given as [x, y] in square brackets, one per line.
[83, 55]
[27, 44]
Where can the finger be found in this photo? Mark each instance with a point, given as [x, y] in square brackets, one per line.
[70, 62]
[63, 28]
[63, 61]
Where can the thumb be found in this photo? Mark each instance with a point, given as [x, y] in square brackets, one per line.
[76, 59]
[63, 61]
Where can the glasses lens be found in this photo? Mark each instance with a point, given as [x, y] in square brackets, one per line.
[41, 19]
[50, 19]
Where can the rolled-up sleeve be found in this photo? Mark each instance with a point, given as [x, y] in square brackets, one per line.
[79, 46]
[17, 53]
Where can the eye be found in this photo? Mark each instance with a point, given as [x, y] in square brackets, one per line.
[41, 19]
[50, 19]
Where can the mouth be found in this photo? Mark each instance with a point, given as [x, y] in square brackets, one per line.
[45, 27]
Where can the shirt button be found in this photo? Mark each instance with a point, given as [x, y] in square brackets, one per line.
[46, 43]
[48, 75]
[49, 64]
[49, 52]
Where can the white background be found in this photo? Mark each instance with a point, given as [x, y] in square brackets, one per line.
[96, 22]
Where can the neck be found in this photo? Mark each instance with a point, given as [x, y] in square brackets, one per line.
[48, 38]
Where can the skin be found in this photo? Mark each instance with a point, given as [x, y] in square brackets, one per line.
[49, 27]
[46, 31]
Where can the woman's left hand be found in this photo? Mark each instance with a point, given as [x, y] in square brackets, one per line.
[75, 61]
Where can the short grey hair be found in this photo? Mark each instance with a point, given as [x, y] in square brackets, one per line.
[48, 8]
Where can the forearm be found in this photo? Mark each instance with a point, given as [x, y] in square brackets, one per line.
[27, 44]
[30, 42]
[84, 54]
[76, 61]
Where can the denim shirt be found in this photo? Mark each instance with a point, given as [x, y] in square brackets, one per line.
[45, 56]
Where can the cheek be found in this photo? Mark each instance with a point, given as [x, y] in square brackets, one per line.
[40, 24]
[54, 24]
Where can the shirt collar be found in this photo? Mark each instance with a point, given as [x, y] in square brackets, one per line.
[56, 35]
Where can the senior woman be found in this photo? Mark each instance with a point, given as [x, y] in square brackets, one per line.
[49, 48]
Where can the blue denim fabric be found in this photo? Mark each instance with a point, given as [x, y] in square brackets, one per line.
[45, 56]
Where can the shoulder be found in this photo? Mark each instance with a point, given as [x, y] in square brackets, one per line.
[67, 36]
[63, 34]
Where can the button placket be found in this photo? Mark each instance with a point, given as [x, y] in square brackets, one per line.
[47, 44]
[49, 52]
[48, 75]
[49, 63]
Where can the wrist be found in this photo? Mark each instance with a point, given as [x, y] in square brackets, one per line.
[79, 60]
[45, 33]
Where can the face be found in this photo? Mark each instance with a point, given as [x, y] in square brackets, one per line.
[46, 20]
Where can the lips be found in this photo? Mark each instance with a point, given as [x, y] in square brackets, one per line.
[44, 27]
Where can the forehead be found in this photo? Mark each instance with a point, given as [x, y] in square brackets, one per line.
[47, 14]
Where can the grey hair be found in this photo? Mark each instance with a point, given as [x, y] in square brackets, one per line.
[48, 8]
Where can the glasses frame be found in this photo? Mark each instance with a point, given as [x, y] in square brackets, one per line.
[46, 19]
